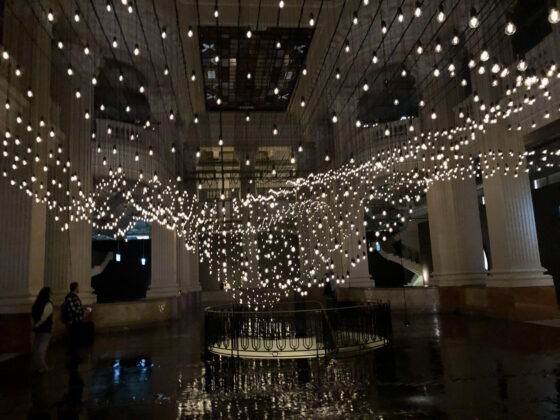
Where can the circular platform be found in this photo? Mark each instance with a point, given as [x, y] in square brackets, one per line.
[293, 333]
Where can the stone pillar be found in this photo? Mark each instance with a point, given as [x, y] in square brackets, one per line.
[512, 232]
[164, 263]
[187, 268]
[357, 263]
[455, 234]
[22, 218]
[455, 229]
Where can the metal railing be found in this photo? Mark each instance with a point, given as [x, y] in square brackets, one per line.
[235, 331]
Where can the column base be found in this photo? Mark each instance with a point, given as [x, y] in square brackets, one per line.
[364, 282]
[457, 279]
[16, 304]
[162, 292]
[519, 278]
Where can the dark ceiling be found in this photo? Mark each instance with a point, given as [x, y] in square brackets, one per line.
[270, 67]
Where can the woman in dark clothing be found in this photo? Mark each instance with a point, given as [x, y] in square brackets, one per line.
[41, 318]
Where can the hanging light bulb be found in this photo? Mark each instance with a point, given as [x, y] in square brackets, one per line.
[311, 20]
[484, 55]
[300, 148]
[418, 10]
[419, 49]
[50, 16]
[247, 117]
[455, 38]
[383, 27]
[86, 49]
[522, 65]
[473, 20]
[171, 115]
[216, 13]
[334, 118]
[400, 16]
[355, 18]
[281, 4]
[195, 120]
[115, 42]
[337, 74]
[438, 46]
[374, 58]
[249, 75]
[304, 71]
[365, 86]
[190, 32]
[433, 115]
[347, 46]
[274, 130]
[76, 17]
[302, 103]
[554, 16]
[69, 71]
[441, 14]
[249, 34]
[108, 6]
[510, 28]
[136, 50]
[327, 157]
[276, 90]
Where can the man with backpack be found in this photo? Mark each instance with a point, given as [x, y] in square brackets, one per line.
[73, 316]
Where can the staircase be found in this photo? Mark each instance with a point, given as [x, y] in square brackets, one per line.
[412, 266]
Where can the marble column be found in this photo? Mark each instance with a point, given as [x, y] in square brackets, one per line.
[455, 234]
[164, 263]
[357, 261]
[453, 214]
[512, 232]
[22, 219]
[187, 268]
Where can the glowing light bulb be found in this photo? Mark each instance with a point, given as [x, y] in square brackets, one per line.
[554, 16]
[510, 28]
[418, 10]
[473, 20]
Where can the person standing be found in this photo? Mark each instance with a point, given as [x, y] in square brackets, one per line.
[73, 316]
[41, 318]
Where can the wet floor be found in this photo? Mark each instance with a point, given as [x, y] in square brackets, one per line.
[438, 368]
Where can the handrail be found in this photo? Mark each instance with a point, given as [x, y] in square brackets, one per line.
[214, 309]
[296, 333]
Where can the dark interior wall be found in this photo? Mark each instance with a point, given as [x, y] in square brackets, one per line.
[124, 280]
[546, 204]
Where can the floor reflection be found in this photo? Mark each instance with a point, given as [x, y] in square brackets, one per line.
[438, 368]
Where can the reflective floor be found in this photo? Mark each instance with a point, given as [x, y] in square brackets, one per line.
[437, 368]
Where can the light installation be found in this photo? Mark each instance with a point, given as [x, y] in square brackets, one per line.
[311, 230]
